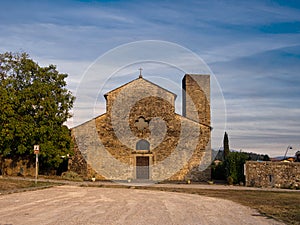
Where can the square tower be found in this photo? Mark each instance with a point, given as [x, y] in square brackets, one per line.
[196, 98]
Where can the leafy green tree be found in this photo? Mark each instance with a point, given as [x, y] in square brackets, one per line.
[34, 105]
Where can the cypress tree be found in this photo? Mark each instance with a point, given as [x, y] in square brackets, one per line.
[226, 145]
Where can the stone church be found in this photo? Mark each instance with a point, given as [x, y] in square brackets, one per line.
[141, 137]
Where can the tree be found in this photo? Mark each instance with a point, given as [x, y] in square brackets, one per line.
[226, 145]
[266, 158]
[233, 163]
[34, 105]
[235, 166]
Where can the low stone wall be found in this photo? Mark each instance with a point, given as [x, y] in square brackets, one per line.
[11, 167]
[272, 174]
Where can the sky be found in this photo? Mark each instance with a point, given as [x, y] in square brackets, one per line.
[251, 47]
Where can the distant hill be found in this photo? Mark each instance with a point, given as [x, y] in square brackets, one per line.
[219, 155]
[280, 158]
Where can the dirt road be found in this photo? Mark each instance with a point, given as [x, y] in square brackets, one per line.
[83, 205]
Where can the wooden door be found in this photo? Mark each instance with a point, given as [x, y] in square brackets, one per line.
[142, 167]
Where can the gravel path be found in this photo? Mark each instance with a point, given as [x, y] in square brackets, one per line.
[91, 205]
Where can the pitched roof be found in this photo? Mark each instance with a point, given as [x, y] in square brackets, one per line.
[106, 94]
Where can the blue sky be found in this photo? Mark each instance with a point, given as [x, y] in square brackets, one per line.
[252, 47]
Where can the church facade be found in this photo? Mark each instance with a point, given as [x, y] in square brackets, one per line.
[141, 137]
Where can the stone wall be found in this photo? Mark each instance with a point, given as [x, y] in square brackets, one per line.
[272, 174]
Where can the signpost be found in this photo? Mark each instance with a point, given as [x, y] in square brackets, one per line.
[36, 150]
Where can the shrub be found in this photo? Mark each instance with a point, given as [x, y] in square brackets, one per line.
[230, 180]
[70, 175]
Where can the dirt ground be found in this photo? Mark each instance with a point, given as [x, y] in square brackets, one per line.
[91, 205]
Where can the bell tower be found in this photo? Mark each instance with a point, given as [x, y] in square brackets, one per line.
[196, 107]
[196, 98]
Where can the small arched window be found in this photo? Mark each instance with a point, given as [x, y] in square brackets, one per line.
[143, 145]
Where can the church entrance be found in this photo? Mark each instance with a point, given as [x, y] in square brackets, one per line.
[142, 167]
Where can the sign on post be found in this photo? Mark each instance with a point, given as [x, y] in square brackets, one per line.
[36, 150]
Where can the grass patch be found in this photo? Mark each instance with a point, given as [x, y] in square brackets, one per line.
[10, 185]
[282, 206]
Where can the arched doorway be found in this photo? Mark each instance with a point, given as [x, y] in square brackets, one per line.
[142, 161]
